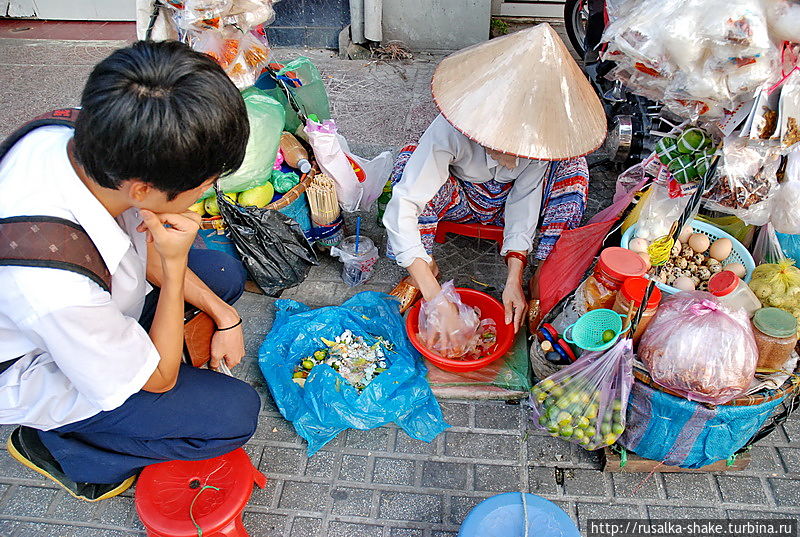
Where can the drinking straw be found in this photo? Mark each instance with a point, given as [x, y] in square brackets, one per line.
[358, 232]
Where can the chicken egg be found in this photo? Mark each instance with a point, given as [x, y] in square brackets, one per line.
[686, 232]
[736, 268]
[721, 249]
[684, 283]
[638, 245]
[699, 242]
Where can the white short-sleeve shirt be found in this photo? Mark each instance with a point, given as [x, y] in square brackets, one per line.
[83, 349]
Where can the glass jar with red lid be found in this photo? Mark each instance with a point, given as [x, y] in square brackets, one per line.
[614, 267]
[631, 294]
[733, 292]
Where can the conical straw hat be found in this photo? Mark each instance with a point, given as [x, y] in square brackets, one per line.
[521, 94]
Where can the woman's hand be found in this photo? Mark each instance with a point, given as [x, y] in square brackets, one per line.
[515, 304]
[514, 301]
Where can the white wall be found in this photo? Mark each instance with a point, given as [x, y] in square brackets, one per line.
[105, 10]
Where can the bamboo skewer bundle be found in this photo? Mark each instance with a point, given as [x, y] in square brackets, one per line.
[326, 218]
[322, 200]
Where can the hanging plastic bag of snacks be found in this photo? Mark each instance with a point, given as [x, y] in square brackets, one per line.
[785, 215]
[748, 183]
[585, 402]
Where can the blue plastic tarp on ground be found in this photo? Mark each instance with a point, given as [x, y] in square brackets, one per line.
[328, 404]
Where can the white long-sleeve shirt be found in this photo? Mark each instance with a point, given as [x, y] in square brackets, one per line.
[443, 151]
[82, 348]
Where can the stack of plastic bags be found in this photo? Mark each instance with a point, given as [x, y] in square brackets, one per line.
[700, 58]
[230, 31]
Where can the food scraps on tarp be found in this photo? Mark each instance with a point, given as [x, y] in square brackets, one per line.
[353, 357]
[327, 403]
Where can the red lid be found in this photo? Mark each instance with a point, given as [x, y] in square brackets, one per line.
[621, 263]
[633, 290]
[723, 283]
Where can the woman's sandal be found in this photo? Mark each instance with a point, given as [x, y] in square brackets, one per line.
[407, 293]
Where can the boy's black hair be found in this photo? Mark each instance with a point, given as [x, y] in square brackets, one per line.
[161, 113]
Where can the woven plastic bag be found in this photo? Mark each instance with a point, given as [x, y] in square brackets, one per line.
[699, 349]
[327, 404]
[585, 402]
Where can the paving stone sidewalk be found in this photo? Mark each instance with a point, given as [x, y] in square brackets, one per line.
[381, 483]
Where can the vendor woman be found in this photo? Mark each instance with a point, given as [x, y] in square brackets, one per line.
[517, 114]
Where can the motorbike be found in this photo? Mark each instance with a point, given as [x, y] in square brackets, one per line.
[634, 123]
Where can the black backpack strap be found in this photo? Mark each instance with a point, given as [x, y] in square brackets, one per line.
[64, 116]
[47, 241]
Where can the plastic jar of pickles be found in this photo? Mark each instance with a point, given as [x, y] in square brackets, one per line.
[631, 293]
[733, 292]
[775, 331]
[614, 267]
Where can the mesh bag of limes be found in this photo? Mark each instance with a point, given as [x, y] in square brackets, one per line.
[585, 402]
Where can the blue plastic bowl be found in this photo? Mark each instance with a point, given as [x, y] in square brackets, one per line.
[503, 516]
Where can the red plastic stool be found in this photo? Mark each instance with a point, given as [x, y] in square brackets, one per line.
[479, 231]
[214, 492]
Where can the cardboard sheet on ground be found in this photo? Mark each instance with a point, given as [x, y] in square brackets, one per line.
[507, 378]
[327, 404]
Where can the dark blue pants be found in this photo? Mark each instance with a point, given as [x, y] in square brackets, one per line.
[205, 415]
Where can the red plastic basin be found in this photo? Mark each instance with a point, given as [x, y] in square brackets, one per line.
[490, 308]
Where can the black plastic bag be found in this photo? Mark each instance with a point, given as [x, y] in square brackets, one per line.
[272, 245]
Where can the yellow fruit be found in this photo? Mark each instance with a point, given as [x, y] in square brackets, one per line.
[199, 208]
[212, 207]
[258, 196]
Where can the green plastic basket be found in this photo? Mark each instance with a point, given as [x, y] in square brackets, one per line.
[587, 332]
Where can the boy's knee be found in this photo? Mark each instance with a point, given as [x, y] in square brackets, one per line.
[244, 405]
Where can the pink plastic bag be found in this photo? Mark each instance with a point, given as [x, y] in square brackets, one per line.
[585, 402]
[698, 348]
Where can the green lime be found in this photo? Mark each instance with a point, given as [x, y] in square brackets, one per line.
[590, 432]
[546, 384]
[567, 431]
[308, 364]
[617, 428]
[605, 428]
[558, 391]
[550, 401]
[320, 355]
[564, 418]
[617, 405]
[591, 412]
[608, 335]
[617, 416]
[552, 428]
[585, 398]
[298, 375]
[578, 434]
[609, 439]
[562, 403]
[543, 420]
[583, 422]
[607, 417]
